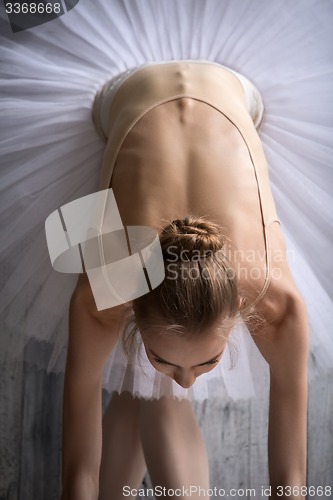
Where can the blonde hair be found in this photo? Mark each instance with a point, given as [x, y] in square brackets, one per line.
[199, 288]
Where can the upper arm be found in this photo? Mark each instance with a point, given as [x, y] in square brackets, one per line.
[284, 343]
[92, 333]
[281, 332]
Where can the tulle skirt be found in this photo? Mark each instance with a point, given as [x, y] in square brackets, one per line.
[51, 155]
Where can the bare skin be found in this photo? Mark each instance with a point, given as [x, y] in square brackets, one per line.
[172, 164]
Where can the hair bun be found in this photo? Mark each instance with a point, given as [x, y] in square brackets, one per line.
[192, 234]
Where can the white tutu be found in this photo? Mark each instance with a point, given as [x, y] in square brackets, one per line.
[51, 154]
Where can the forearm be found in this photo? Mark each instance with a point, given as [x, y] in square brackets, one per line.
[287, 438]
[82, 441]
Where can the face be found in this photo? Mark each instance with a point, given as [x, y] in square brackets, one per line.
[184, 359]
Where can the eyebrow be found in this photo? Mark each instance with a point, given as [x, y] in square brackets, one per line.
[201, 364]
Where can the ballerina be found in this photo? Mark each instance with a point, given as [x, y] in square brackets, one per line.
[51, 155]
[182, 146]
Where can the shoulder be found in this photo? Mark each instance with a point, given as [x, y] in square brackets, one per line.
[83, 300]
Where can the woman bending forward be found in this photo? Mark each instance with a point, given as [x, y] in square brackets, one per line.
[183, 156]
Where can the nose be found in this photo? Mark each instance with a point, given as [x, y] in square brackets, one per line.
[185, 379]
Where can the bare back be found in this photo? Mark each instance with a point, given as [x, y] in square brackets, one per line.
[185, 156]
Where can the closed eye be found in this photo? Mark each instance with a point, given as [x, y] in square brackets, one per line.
[212, 362]
[161, 362]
